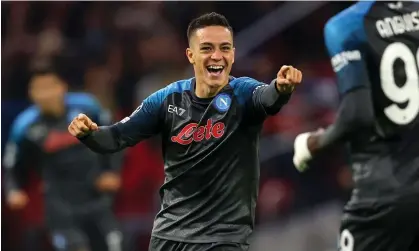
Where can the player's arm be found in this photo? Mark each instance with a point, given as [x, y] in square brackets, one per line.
[355, 111]
[104, 118]
[269, 99]
[11, 163]
[143, 123]
[17, 155]
[109, 180]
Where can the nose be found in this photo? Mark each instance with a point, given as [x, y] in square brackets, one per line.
[217, 55]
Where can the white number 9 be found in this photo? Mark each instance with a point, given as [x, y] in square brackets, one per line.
[346, 242]
[409, 92]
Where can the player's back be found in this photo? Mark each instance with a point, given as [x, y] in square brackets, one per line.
[385, 158]
[392, 35]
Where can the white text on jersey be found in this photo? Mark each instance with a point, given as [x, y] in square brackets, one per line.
[396, 25]
[342, 59]
[176, 110]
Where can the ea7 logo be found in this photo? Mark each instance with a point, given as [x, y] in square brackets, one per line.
[176, 110]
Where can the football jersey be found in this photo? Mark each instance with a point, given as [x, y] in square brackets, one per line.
[68, 168]
[210, 152]
[375, 45]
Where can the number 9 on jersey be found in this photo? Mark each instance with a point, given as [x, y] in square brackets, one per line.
[405, 97]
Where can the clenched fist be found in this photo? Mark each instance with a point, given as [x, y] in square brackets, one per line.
[17, 200]
[287, 78]
[108, 182]
[82, 125]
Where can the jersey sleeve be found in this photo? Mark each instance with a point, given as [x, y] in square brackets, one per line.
[143, 123]
[261, 99]
[16, 152]
[345, 38]
[89, 105]
[345, 42]
[146, 121]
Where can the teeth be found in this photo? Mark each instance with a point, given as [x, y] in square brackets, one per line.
[215, 67]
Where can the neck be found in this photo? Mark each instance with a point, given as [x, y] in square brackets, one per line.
[202, 90]
[56, 110]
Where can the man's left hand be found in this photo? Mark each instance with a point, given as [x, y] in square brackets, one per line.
[287, 78]
[108, 182]
[305, 146]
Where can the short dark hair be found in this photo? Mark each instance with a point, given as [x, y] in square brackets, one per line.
[45, 70]
[63, 67]
[208, 19]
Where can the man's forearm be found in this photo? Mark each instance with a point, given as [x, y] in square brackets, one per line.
[355, 112]
[104, 140]
[10, 181]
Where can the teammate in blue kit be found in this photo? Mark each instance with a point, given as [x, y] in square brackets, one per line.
[375, 54]
[210, 127]
[77, 182]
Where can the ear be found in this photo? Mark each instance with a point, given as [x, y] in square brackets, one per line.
[65, 87]
[62, 85]
[189, 55]
[234, 54]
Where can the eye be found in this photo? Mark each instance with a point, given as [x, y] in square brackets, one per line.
[226, 48]
[205, 48]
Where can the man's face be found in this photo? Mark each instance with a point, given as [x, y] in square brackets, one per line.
[212, 54]
[47, 91]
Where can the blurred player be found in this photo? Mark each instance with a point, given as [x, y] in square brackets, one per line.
[374, 50]
[210, 125]
[77, 182]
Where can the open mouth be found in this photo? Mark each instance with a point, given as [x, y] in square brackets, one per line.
[215, 70]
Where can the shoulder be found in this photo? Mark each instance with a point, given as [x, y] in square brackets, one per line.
[82, 100]
[23, 121]
[244, 87]
[348, 25]
[176, 87]
[244, 84]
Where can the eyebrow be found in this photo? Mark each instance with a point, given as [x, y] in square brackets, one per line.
[210, 44]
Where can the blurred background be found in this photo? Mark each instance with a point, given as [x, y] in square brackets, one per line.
[123, 51]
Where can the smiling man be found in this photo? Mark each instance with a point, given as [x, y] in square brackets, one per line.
[210, 126]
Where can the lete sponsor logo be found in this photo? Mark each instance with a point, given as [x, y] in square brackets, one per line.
[194, 132]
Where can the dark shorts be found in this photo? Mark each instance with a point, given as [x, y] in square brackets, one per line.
[157, 244]
[95, 229]
[381, 228]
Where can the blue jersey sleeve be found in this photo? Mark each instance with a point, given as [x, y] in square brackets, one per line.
[17, 149]
[15, 145]
[244, 88]
[345, 41]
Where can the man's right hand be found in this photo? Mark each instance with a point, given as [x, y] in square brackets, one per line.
[17, 200]
[82, 125]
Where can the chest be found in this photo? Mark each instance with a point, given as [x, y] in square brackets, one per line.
[191, 122]
[51, 135]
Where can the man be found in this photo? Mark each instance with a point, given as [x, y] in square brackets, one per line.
[374, 50]
[78, 183]
[210, 126]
